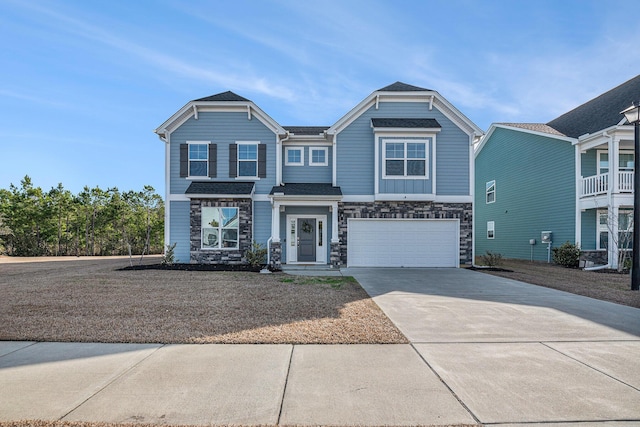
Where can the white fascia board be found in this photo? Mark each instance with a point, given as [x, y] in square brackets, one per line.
[591, 140]
[456, 116]
[194, 107]
[310, 199]
[358, 198]
[495, 126]
[306, 202]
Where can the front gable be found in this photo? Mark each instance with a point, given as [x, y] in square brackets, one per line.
[404, 115]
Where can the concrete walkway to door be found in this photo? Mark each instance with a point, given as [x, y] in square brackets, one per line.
[513, 352]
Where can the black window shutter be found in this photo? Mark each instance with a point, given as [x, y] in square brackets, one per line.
[184, 160]
[262, 160]
[213, 160]
[233, 160]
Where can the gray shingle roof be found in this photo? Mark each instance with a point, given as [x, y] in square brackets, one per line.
[537, 127]
[228, 188]
[306, 130]
[224, 96]
[405, 123]
[599, 113]
[402, 87]
[309, 189]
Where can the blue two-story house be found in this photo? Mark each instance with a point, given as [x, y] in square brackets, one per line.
[389, 184]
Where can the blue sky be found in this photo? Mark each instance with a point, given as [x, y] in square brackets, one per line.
[84, 83]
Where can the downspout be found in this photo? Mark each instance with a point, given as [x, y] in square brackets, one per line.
[279, 158]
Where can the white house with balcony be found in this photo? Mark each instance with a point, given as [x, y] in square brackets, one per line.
[572, 176]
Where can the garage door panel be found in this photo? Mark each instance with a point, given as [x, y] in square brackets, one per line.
[403, 243]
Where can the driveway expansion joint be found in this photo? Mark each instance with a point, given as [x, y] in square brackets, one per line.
[286, 381]
[453, 393]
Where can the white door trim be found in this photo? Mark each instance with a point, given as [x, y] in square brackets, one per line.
[292, 238]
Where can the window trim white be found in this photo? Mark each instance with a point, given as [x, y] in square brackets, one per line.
[491, 228]
[286, 156]
[238, 160]
[405, 141]
[189, 144]
[220, 228]
[487, 192]
[601, 152]
[326, 156]
[600, 228]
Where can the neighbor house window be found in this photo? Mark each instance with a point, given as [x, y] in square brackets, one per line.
[294, 156]
[248, 160]
[624, 225]
[625, 161]
[405, 159]
[318, 156]
[491, 229]
[219, 228]
[198, 159]
[491, 191]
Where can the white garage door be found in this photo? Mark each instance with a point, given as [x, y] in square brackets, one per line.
[403, 243]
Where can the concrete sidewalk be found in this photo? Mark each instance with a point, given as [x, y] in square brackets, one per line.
[483, 350]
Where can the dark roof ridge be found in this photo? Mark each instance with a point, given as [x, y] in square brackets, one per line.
[227, 96]
[402, 87]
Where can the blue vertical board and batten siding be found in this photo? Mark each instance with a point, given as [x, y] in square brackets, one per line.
[535, 192]
[356, 146]
[261, 222]
[222, 128]
[180, 231]
[308, 173]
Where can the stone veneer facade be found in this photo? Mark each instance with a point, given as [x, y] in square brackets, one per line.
[221, 256]
[398, 210]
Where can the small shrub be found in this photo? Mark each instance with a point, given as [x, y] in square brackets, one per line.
[567, 255]
[257, 255]
[491, 259]
[169, 256]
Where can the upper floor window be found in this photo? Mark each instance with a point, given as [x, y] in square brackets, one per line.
[491, 191]
[318, 156]
[219, 228]
[625, 161]
[248, 160]
[294, 156]
[405, 159]
[198, 159]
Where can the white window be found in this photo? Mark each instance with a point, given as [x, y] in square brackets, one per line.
[491, 229]
[625, 161]
[624, 224]
[318, 156]
[405, 159]
[294, 156]
[248, 159]
[219, 228]
[491, 191]
[198, 159]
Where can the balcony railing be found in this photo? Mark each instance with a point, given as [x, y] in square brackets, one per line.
[599, 184]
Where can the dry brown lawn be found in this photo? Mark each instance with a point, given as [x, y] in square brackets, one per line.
[90, 300]
[611, 287]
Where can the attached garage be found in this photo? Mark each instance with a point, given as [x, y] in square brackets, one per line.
[403, 243]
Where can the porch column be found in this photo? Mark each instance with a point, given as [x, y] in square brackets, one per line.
[334, 223]
[614, 156]
[275, 222]
[612, 244]
[578, 213]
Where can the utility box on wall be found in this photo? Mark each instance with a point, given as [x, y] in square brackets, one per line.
[546, 236]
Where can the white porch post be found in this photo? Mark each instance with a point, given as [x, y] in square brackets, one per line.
[275, 222]
[334, 223]
[612, 244]
[578, 230]
[614, 156]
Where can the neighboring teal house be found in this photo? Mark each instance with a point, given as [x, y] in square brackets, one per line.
[389, 184]
[571, 176]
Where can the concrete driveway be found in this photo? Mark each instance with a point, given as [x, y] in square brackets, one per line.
[514, 352]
